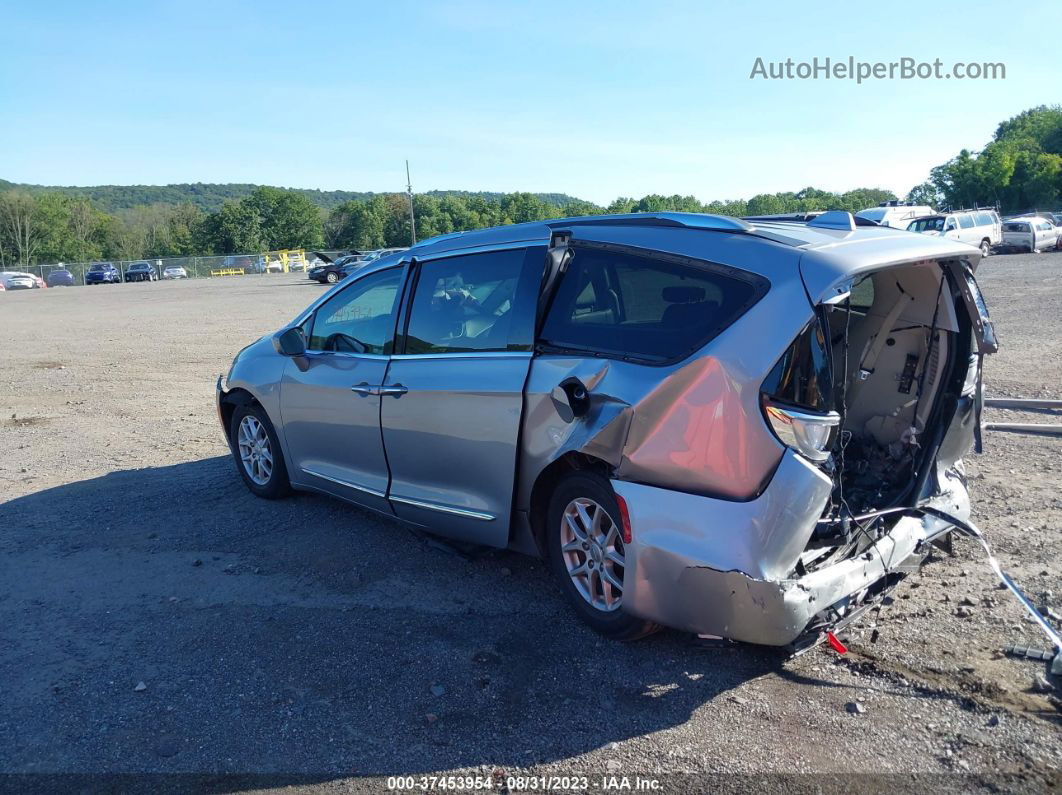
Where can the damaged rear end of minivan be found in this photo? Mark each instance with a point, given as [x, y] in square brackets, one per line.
[876, 401]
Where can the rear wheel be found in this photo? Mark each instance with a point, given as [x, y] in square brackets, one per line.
[986, 248]
[587, 555]
[257, 453]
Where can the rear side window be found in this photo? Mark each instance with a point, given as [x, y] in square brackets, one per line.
[965, 221]
[650, 309]
[803, 376]
[984, 219]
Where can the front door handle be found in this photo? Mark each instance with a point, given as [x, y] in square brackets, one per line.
[394, 390]
[364, 389]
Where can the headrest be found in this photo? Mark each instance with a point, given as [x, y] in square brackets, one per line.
[682, 295]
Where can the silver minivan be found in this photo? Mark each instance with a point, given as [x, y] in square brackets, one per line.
[746, 430]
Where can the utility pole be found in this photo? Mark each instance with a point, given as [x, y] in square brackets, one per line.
[412, 220]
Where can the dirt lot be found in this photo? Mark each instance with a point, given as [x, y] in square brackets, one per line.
[309, 641]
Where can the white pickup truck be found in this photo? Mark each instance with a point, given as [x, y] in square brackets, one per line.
[1030, 233]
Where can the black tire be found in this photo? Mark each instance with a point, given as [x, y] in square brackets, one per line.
[278, 484]
[616, 624]
[332, 277]
[986, 247]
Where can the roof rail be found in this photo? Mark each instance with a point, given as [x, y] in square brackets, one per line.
[835, 219]
[719, 223]
[791, 217]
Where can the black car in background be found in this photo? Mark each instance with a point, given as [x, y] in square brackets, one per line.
[60, 278]
[335, 271]
[103, 273]
[141, 272]
[331, 270]
[342, 267]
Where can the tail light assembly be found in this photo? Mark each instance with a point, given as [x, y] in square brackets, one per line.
[809, 433]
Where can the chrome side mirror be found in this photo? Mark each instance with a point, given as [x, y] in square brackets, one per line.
[290, 342]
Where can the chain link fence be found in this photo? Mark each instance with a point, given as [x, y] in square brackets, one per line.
[73, 274]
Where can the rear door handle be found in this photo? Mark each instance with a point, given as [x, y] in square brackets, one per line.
[394, 390]
[364, 389]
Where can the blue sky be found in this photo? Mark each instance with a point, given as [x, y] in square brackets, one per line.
[587, 98]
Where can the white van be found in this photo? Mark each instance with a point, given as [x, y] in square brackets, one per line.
[895, 214]
[980, 227]
[1029, 234]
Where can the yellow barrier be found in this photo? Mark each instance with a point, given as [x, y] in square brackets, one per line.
[227, 272]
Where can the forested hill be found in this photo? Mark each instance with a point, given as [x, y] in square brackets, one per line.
[209, 197]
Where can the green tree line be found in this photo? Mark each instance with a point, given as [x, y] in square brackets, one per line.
[1019, 170]
[51, 227]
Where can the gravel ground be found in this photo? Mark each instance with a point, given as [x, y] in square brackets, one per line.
[155, 618]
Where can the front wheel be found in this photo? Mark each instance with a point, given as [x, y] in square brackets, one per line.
[588, 556]
[256, 449]
[332, 277]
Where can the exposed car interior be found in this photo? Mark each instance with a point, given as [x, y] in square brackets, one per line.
[893, 347]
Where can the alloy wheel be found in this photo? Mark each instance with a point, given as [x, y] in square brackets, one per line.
[593, 552]
[256, 454]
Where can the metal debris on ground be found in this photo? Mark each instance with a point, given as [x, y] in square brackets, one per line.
[969, 529]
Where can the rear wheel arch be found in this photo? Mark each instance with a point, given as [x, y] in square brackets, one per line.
[547, 481]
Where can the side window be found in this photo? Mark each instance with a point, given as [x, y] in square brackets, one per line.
[862, 297]
[360, 318]
[984, 219]
[965, 221]
[465, 303]
[647, 308]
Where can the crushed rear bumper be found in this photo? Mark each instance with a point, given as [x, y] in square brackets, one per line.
[716, 567]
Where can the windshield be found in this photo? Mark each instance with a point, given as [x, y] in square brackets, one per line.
[934, 224]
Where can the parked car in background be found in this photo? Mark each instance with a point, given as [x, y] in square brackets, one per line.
[896, 214]
[103, 273]
[1031, 234]
[18, 280]
[241, 261]
[174, 272]
[339, 269]
[655, 402]
[60, 277]
[265, 264]
[296, 263]
[141, 272]
[981, 227]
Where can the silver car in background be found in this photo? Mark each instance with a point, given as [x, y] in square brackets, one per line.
[715, 425]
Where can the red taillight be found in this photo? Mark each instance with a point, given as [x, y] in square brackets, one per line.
[625, 519]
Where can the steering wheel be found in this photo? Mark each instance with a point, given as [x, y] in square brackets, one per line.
[345, 343]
